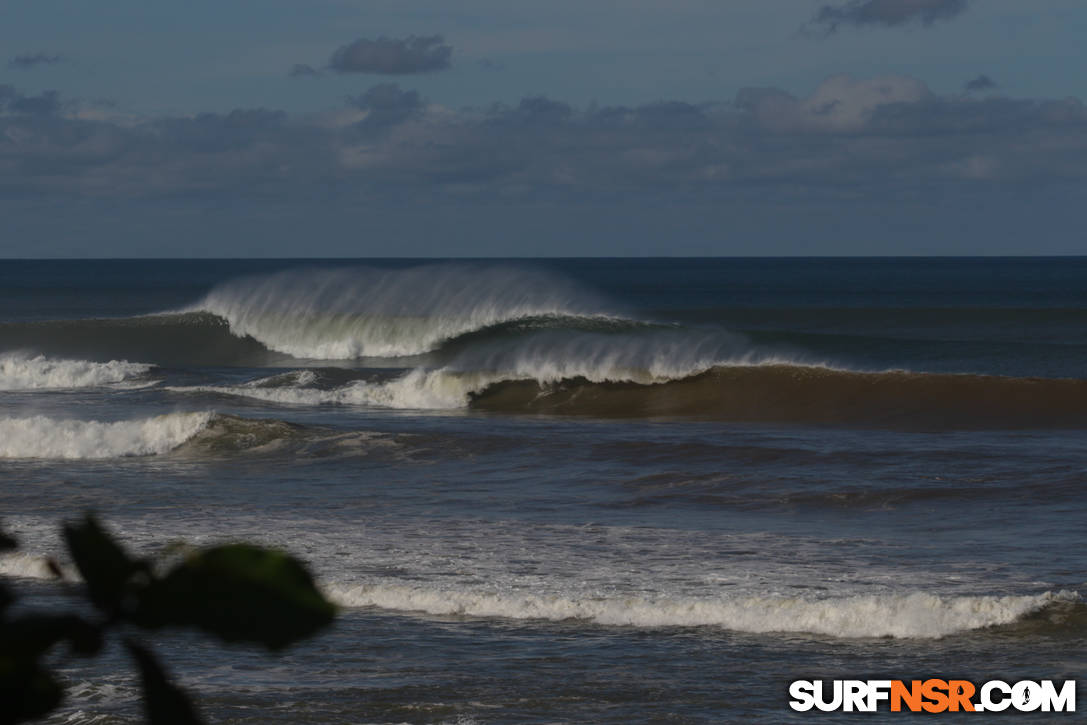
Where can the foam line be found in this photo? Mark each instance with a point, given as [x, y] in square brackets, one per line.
[20, 371]
[916, 614]
[43, 437]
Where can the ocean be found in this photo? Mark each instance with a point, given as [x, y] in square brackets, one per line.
[568, 490]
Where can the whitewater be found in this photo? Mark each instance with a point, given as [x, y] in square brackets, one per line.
[20, 371]
[912, 615]
[43, 437]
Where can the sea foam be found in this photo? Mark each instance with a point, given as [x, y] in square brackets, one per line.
[43, 437]
[20, 371]
[911, 615]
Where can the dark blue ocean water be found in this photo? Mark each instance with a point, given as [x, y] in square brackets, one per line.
[614, 490]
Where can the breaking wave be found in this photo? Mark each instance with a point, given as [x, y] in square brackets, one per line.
[744, 391]
[42, 437]
[20, 371]
[230, 435]
[342, 314]
[367, 312]
[547, 357]
[917, 614]
[194, 435]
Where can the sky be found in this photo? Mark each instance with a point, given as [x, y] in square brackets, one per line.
[464, 128]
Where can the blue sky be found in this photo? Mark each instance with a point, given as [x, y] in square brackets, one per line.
[592, 127]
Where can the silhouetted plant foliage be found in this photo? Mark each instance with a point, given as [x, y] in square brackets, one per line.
[236, 592]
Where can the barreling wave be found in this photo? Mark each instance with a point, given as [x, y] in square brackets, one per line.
[912, 615]
[43, 437]
[345, 314]
[20, 371]
[367, 312]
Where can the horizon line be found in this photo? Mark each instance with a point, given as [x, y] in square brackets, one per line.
[551, 257]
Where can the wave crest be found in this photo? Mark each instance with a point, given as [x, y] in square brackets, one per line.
[541, 358]
[368, 312]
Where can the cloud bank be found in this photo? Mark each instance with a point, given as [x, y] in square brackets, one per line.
[27, 61]
[981, 83]
[301, 70]
[386, 105]
[393, 56]
[889, 13]
[877, 138]
[12, 101]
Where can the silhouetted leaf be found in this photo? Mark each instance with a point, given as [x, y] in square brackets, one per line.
[7, 596]
[237, 592]
[27, 690]
[105, 566]
[54, 568]
[165, 702]
[32, 635]
[242, 593]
